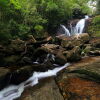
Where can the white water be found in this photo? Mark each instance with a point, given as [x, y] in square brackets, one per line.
[65, 30]
[12, 92]
[80, 25]
[48, 57]
[78, 29]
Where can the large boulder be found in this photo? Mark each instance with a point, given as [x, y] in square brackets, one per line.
[20, 74]
[51, 51]
[80, 81]
[75, 40]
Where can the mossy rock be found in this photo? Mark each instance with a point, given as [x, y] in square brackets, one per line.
[11, 60]
[94, 28]
[91, 71]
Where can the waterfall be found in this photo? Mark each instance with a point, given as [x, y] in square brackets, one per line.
[67, 33]
[12, 92]
[80, 25]
[78, 29]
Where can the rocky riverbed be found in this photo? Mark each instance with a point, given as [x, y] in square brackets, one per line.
[80, 81]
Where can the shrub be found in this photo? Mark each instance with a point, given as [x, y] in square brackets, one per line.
[94, 28]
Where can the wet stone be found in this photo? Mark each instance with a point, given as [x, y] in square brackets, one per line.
[45, 90]
[4, 77]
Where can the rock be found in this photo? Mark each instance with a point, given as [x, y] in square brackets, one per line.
[73, 55]
[76, 40]
[45, 90]
[75, 88]
[17, 46]
[11, 60]
[20, 74]
[55, 51]
[4, 77]
[95, 53]
[95, 42]
[25, 61]
[87, 48]
[50, 47]
[81, 81]
[88, 66]
[31, 39]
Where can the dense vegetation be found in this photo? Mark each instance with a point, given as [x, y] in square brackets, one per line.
[19, 18]
[94, 28]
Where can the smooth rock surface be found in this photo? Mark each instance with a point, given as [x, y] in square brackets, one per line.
[81, 80]
[45, 90]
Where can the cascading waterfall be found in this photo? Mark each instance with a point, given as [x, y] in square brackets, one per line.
[78, 29]
[12, 92]
[66, 30]
[80, 25]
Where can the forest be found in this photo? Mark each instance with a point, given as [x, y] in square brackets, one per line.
[20, 18]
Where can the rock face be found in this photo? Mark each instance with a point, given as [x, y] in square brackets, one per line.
[81, 80]
[46, 90]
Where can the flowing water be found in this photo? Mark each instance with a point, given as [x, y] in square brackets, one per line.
[78, 29]
[12, 92]
[65, 30]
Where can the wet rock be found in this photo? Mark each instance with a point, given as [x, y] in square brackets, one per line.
[86, 50]
[73, 55]
[55, 51]
[81, 81]
[76, 40]
[95, 42]
[4, 77]
[95, 53]
[75, 88]
[31, 39]
[89, 67]
[17, 45]
[11, 60]
[25, 61]
[20, 74]
[50, 47]
[45, 90]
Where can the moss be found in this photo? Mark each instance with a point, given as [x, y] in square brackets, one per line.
[94, 28]
[90, 75]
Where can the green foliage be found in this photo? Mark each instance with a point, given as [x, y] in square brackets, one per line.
[98, 6]
[38, 28]
[94, 28]
[20, 18]
[4, 33]
[4, 3]
[96, 20]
